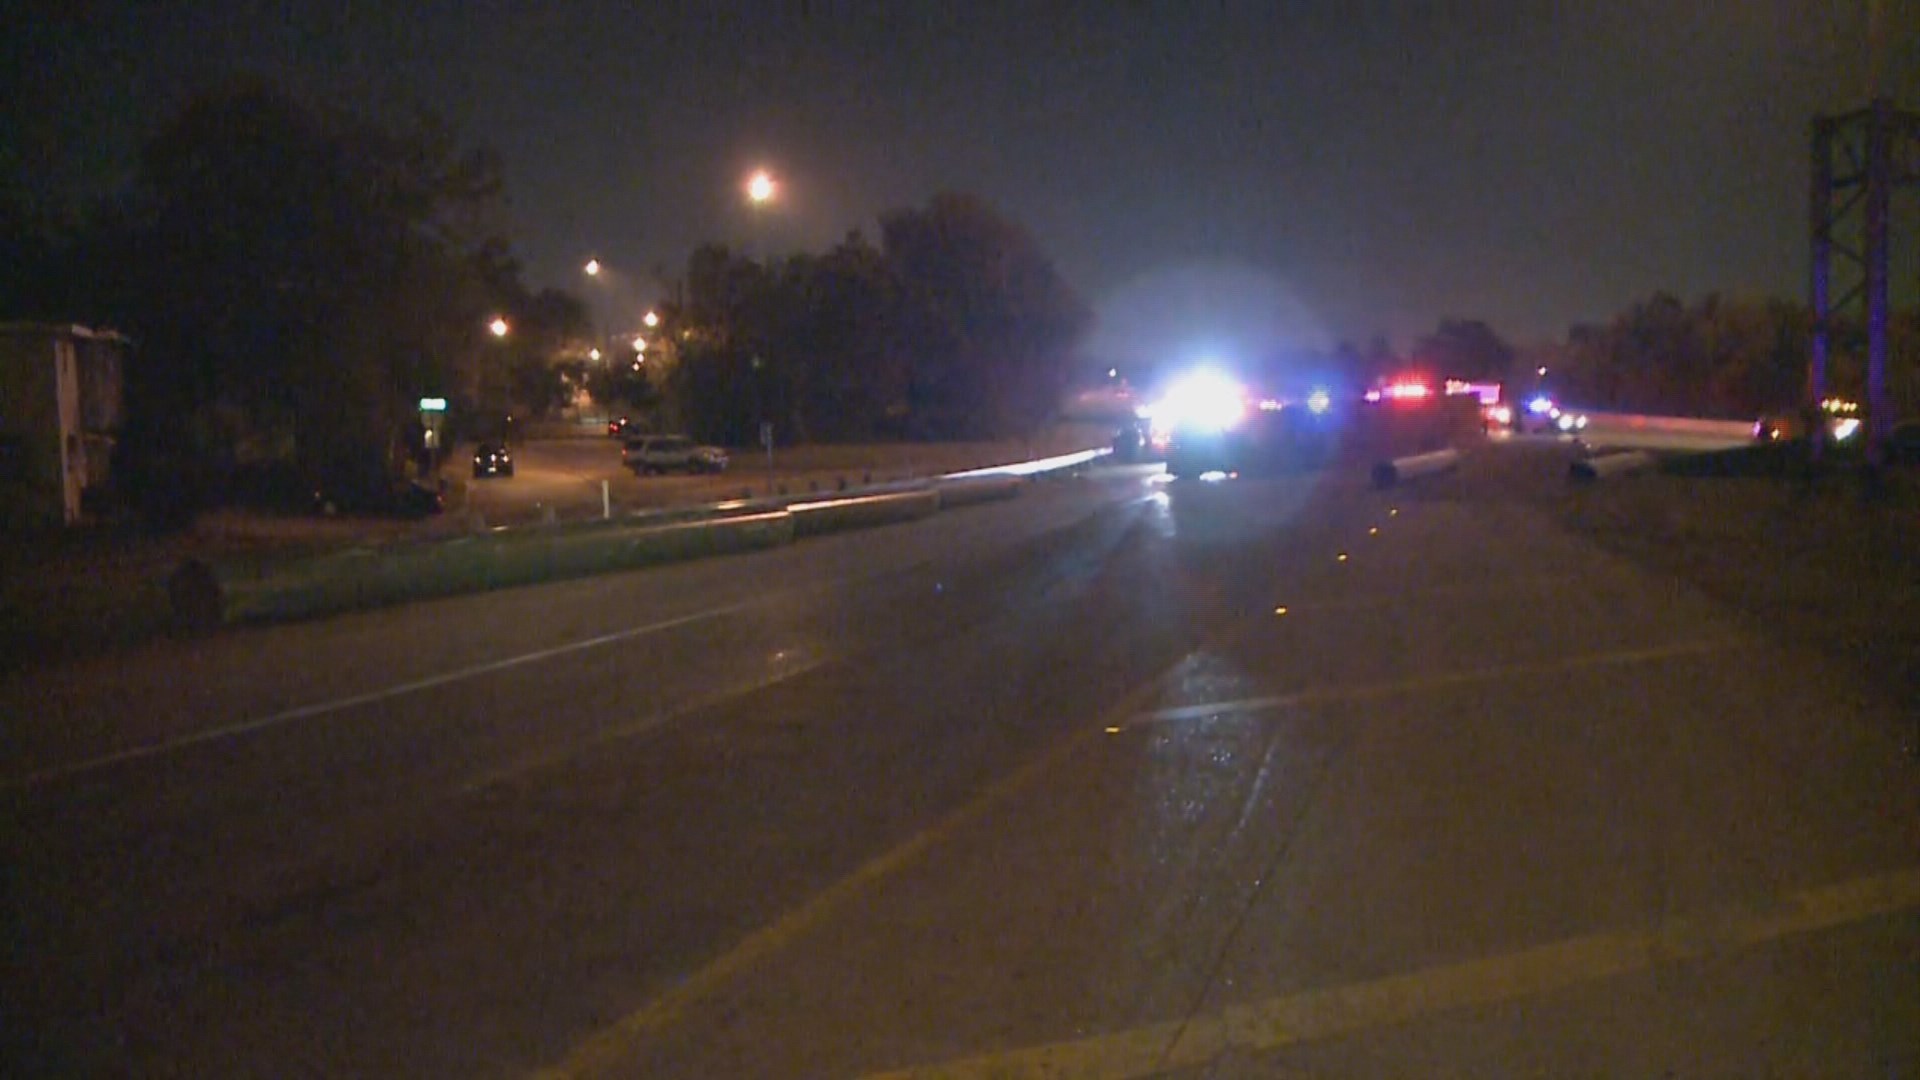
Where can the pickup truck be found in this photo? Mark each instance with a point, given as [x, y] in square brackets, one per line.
[670, 453]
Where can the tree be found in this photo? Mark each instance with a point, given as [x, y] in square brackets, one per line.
[295, 278]
[991, 322]
[955, 326]
[551, 333]
[1719, 356]
[718, 384]
[1466, 349]
[845, 362]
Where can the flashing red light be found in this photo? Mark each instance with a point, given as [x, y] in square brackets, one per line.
[1407, 391]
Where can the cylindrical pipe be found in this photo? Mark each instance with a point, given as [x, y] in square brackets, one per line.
[1388, 473]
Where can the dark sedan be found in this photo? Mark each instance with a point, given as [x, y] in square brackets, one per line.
[491, 459]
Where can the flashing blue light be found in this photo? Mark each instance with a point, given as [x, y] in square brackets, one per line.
[1540, 406]
[1319, 401]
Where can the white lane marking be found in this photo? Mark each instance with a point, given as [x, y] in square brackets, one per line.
[565, 752]
[414, 686]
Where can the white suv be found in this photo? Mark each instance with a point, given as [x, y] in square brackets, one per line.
[665, 453]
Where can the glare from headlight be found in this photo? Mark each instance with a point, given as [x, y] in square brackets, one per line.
[1319, 401]
[1202, 401]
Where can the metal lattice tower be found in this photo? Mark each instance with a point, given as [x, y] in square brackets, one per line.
[1858, 160]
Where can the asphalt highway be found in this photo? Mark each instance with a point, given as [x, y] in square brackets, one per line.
[1120, 778]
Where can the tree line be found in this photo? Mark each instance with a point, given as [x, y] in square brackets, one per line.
[954, 325]
[1726, 357]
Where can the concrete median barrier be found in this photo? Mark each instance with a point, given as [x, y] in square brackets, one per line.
[1399, 470]
[207, 594]
[813, 518]
[1038, 466]
[1587, 470]
[971, 490]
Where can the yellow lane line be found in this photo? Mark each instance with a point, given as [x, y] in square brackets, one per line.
[1277, 1023]
[611, 1050]
[1425, 683]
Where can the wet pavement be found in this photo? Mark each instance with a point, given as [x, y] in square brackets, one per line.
[1123, 778]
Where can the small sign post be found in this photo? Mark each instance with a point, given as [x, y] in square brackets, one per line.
[766, 440]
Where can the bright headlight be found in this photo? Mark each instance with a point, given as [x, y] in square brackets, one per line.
[1202, 401]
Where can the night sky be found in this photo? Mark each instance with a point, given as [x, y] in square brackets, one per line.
[1212, 177]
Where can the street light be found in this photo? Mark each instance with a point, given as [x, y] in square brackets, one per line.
[592, 268]
[593, 354]
[652, 319]
[760, 187]
[639, 344]
[498, 327]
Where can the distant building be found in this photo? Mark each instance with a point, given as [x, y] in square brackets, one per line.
[60, 404]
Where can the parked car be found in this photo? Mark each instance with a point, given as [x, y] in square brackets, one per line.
[491, 459]
[671, 453]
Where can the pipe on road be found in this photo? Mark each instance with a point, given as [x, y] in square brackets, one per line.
[1388, 473]
[1587, 470]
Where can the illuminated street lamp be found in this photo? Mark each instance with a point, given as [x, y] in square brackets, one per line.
[498, 327]
[760, 187]
[593, 354]
[652, 320]
[639, 344]
[592, 268]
